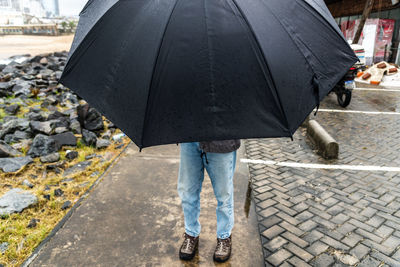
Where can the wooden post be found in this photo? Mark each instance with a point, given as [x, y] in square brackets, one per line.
[367, 11]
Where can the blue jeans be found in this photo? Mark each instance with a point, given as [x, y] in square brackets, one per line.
[220, 167]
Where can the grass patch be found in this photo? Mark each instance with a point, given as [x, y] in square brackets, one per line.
[13, 228]
[2, 114]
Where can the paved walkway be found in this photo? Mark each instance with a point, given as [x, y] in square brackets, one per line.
[133, 218]
[333, 217]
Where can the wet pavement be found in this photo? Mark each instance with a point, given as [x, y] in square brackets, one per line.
[333, 217]
[306, 215]
[133, 217]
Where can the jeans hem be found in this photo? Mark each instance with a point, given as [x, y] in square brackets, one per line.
[224, 236]
[191, 233]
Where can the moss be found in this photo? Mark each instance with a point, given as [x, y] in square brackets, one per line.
[13, 227]
[2, 114]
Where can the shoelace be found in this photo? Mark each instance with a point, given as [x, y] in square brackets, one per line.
[222, 245]
[188, 243]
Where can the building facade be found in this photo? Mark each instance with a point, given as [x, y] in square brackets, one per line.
[29, 29]
[383, 12]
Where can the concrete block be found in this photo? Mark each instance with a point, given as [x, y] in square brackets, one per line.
[327, 146]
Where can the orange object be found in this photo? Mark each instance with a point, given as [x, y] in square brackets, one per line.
[375, 82]
[359, 74]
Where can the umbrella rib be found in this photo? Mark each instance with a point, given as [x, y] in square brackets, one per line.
[337, 32]
[264, 59]
[153, 72]
[79, 45]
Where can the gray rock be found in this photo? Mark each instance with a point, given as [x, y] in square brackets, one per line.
[35, 116]
[65, 139]
[111, 125]
[58, 192]
[9, 69]
[22, 89]
[43, 61]
[35, 109]
[9, 118]
[3, 247]
[14, 164]
[81, 166]
[45, 127]
[106, 135]
[16, 136]
[7, 151]
[53, 157]
[119, 146]
[42, 145]
[66, 205]
[23, 144]
[52, 100]
[71, 154]
[27, 183]
[91, 156]
[16, 200]
[46, 73]
[70, 97]
[89, 138]
[90, 118]
[102, 143]
[6, 86]
[33, 222]
[55, 115]
[12, 125]
[13, 109]
[59, 130]
[75, 126]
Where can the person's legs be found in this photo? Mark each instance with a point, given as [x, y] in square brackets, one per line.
[191, 176]
[221, 168]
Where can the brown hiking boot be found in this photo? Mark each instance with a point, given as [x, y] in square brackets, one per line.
[223, 250]
[189, 247]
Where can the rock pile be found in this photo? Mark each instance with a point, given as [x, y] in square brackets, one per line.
[40, 116]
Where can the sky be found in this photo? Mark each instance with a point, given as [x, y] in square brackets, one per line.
[71, 7]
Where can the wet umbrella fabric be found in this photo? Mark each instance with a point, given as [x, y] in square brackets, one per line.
[176, 71]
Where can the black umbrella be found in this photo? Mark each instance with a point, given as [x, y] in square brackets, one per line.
[170, 71]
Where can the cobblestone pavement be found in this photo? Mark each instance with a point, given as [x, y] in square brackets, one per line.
[332, 217]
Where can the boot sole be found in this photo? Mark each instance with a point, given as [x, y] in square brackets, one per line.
[222, 260]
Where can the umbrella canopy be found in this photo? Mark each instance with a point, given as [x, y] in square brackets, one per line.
[170, 71]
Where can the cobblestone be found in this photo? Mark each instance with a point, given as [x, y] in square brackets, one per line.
[307, 214]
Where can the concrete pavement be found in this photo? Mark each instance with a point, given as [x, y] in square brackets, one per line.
[133, 217]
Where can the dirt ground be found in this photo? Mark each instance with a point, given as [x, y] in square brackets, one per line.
[27, 44]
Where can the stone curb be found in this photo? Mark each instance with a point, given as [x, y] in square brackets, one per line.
[61, 223]
[327, 146]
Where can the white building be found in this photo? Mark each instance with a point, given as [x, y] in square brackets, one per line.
[12, 11]
[9, 15]
[33, 7]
